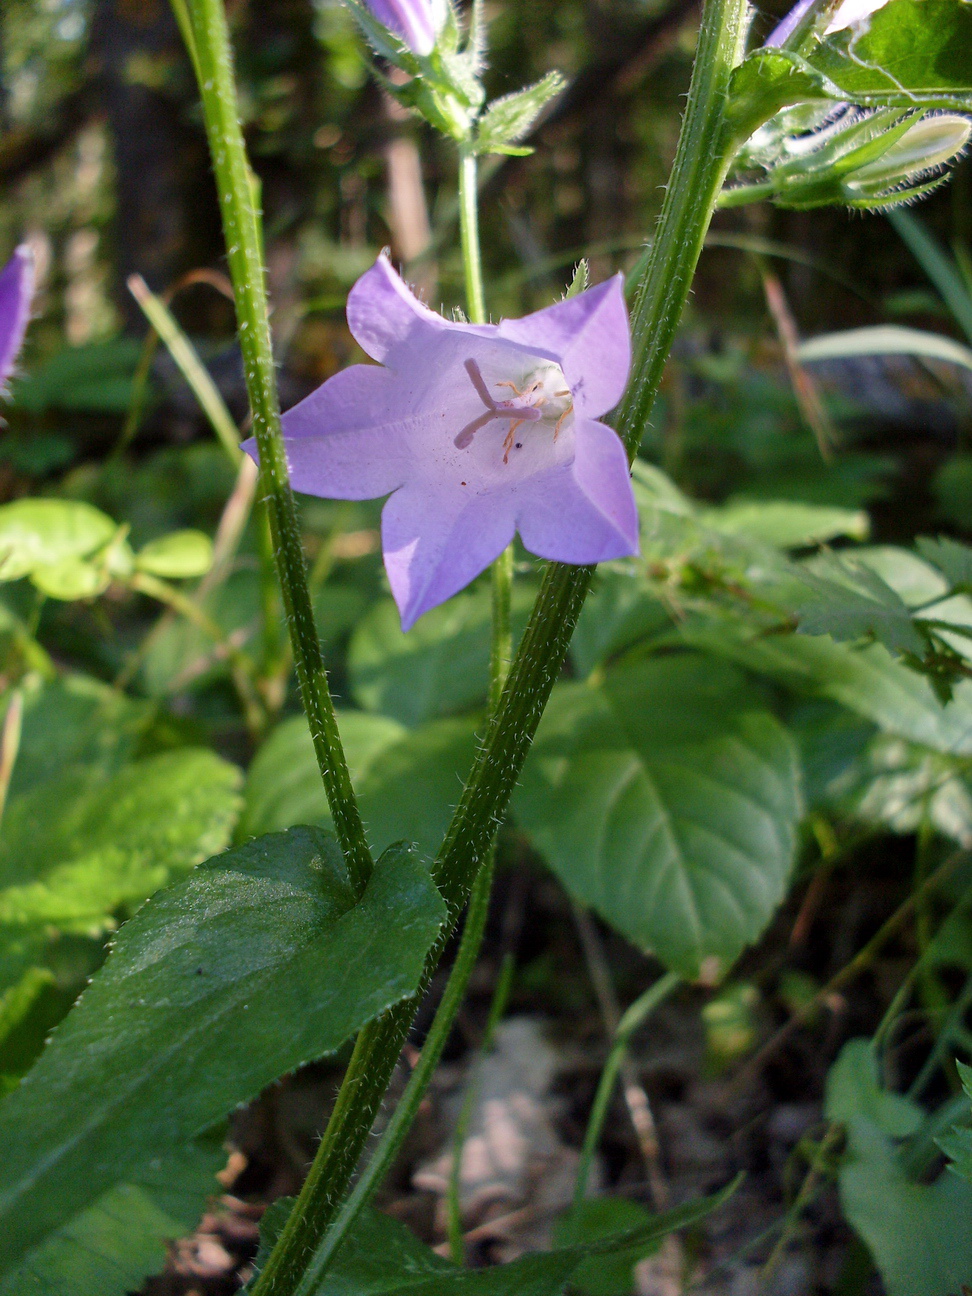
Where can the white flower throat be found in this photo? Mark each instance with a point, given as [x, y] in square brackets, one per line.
[542, 397]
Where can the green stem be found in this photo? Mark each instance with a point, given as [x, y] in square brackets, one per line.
[642, 1007]
[241, 227]
[469, 234]
[408, 1105]
[701, 163]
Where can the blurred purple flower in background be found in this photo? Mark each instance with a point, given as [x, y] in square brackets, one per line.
[476, 431]
[414, 20]
[16, 291]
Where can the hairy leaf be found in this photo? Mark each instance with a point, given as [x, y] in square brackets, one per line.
[258, 962]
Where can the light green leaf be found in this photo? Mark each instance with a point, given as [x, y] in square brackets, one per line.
[43, 532]
[259, 961]
[918, 1233]
[112, 842]
[668, 800]
[439, 668]
[885, 339]
[283, 784]
[75, 720]
[177, 556]
[787, 524]
[913, 580]
[866, 680]
[70, 579]
[508, 120]
[408, 781]
[109, 1248]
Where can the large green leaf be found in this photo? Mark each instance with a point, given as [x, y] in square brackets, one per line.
[384, 1258]
[867, 681]
[37, 533]
[110, 1247]
[920, 1234]
[408, 781]
[439, 668]
[74, 720]
[111, 842]
[667, 798]
[258, 962]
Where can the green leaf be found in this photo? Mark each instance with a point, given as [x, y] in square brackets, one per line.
[597, 1218]
[668, 800]
[70, 579]
[885, 339]
[621, 609]
[18, 999]
[918, 1233]
[43, 532]
[97, 377]
[177, 556]
[109, 1248]
[408, 781]
[849, 600]
[906, 53]
[952, 559]
[258, 962]
[111, 842]
[283, 784]
[75, 720]
[957, 1145]
[787, 524]
[506, 121]
[439, 668]
[383, 1258]
[866, 680]
[911, 578]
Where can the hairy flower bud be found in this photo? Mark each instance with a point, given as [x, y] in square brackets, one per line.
[417, 22]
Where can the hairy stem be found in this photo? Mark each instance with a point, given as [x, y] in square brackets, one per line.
[701, 163]
[241, 226]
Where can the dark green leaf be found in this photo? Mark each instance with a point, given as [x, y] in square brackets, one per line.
[110, 1247]
[667, 798]
[849, 600]
[597, 1218]
[439, 668]
[407, 780]
[952, 559]
[383, 1258]
[256, 963]
[918, 1233]
[95, 377]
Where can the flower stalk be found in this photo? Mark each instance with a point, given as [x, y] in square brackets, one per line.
[701, 164]
[212, 60]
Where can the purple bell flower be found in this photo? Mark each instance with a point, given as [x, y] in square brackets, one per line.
[413, 20]
[16, 291]
[476, 431]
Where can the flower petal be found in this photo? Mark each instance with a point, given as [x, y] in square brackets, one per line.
[16, 291]
[383, 312]
[436, 543]
[583, 513]
[410, 19]
[590, 339]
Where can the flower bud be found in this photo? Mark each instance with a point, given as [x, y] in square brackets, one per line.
[417, 22]
[928, 144]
